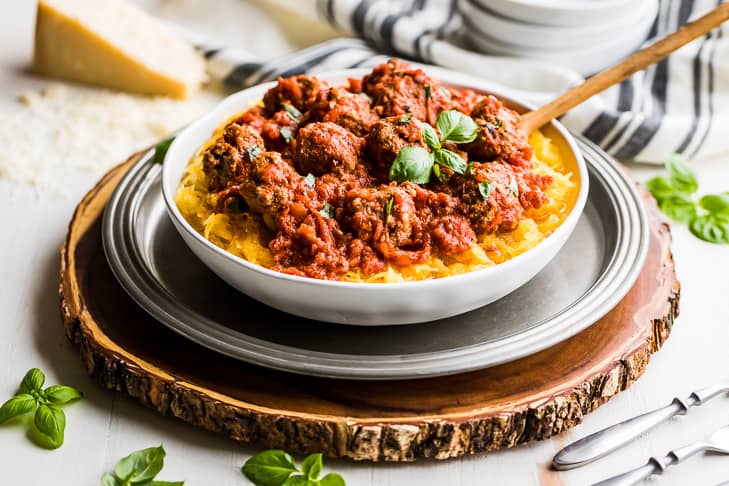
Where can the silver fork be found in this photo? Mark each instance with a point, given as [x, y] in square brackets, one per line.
[717, 442]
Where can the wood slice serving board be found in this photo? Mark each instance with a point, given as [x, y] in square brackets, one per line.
[533, 398]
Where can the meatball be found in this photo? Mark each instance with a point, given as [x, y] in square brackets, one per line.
[350, 111]
[387, 218]
[300, 92]
[273, 186]
[499, 134]
[227, 161]
[397, 88]
[511, 190]
[327, 147]
[388, 136]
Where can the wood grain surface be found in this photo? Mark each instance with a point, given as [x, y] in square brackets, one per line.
[530, 399]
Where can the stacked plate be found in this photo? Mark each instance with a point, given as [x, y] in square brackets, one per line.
[583, 35]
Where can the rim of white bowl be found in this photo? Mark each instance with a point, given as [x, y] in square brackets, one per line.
[444, 75]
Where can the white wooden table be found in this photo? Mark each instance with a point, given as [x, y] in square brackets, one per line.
[104, 427]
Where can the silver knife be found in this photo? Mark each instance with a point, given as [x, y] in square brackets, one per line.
[601, 443]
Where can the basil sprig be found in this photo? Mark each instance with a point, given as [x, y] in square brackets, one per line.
[275, 467]
[415, 164]
[139, 468]
[707, 216]
[49, 419]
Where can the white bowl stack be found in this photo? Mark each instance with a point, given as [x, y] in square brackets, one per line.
[584, 35]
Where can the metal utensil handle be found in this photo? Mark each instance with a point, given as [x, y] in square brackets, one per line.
[631, 477]
[654, 466]
[607, 440]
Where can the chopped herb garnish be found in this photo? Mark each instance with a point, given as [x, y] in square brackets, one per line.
[499, 124]
[286, 134]
[254, 151]
[428, 93]
[388, 209]
[513, 187]
[310, 179]
[485, 189]
[469, 168]
[327, 211]
[160, 150]
[405, 119]
[292, 112]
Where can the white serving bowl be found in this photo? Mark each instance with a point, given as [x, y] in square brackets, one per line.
[481, 20]
[560, 12]
[586, 59]
[363, 303]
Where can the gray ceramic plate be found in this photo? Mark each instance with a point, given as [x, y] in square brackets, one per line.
[593, 271]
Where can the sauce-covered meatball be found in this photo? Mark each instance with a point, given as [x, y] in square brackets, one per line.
[327, 147]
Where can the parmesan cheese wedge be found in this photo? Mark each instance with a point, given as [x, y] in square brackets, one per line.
[114, 44]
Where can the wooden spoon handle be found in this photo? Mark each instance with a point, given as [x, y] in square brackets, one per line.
[622, 70]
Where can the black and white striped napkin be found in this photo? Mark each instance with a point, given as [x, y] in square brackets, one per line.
[680, 104]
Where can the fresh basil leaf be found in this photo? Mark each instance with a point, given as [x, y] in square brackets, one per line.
[109, 479]
[33, 380]
[682, 177]
[710, 228]
[717, 204]
[311, 466]
[328, 211]
[485, 188]
[430, 137]
[60, 394]
[452, 160]
[269, 468]
[428, 92]
[332, 479]
[679, 207]
[413, 163]
[16, 406]
[405, 119]
[660, 188]
[253, 152]
[286, 134]
[163, 483]
[456, 127]
[51, 422]
[469, 168]
[292, 112]
[299, 481]
[514, 187]
[310, 180]
[140, 466]
[160, 150]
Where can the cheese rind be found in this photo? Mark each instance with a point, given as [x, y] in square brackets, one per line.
[115, 45]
